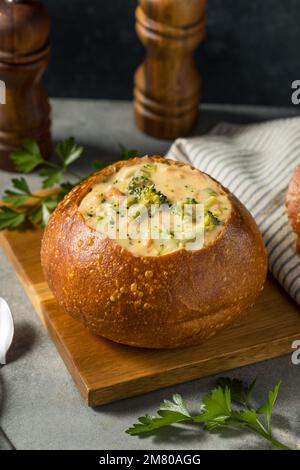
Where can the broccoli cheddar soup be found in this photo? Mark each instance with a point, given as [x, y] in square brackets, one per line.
[152, 208]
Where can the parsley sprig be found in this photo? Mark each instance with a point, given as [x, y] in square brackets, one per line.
[21, 204]
[227, 406]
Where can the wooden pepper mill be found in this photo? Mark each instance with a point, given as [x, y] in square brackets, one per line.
[24, 55]
[167, 86]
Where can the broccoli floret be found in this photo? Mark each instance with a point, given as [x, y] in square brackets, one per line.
[138, 184]
[150, 195]
[144, 190]
[210, 220]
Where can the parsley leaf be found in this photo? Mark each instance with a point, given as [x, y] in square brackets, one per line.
[52, 177]
[177, 404]
[9, 218]
[239, 393]
[127, 153]
[170, 412]
[148, 423]
[218, 410]
[17, 198]
[216, 407]
[99, 164]
[21, 185]
[267, 407]
[27, 157]
[36, 215]
[69, 151]
[14, 198]
[45, 214]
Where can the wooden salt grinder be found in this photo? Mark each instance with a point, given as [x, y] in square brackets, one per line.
[167, 86]
[24, 55]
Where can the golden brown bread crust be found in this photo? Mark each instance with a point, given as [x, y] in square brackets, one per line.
[174, 300]
[293, 204]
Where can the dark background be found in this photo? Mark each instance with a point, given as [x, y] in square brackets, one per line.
[250, 55]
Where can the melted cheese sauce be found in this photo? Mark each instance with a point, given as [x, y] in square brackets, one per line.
[135, 187]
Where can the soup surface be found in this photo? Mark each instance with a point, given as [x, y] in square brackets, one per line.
[154, 208]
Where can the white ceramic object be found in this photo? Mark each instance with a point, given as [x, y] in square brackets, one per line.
[6, 329]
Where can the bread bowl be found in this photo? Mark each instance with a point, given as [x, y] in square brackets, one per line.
[293, 204]
[147, 297]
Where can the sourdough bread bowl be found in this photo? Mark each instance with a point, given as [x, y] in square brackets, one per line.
[137, 293]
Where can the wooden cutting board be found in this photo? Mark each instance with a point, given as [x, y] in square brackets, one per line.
[105, 371]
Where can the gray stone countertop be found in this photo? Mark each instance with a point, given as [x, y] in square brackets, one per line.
[40, 406]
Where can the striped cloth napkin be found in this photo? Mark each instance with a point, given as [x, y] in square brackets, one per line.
[256, 163]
